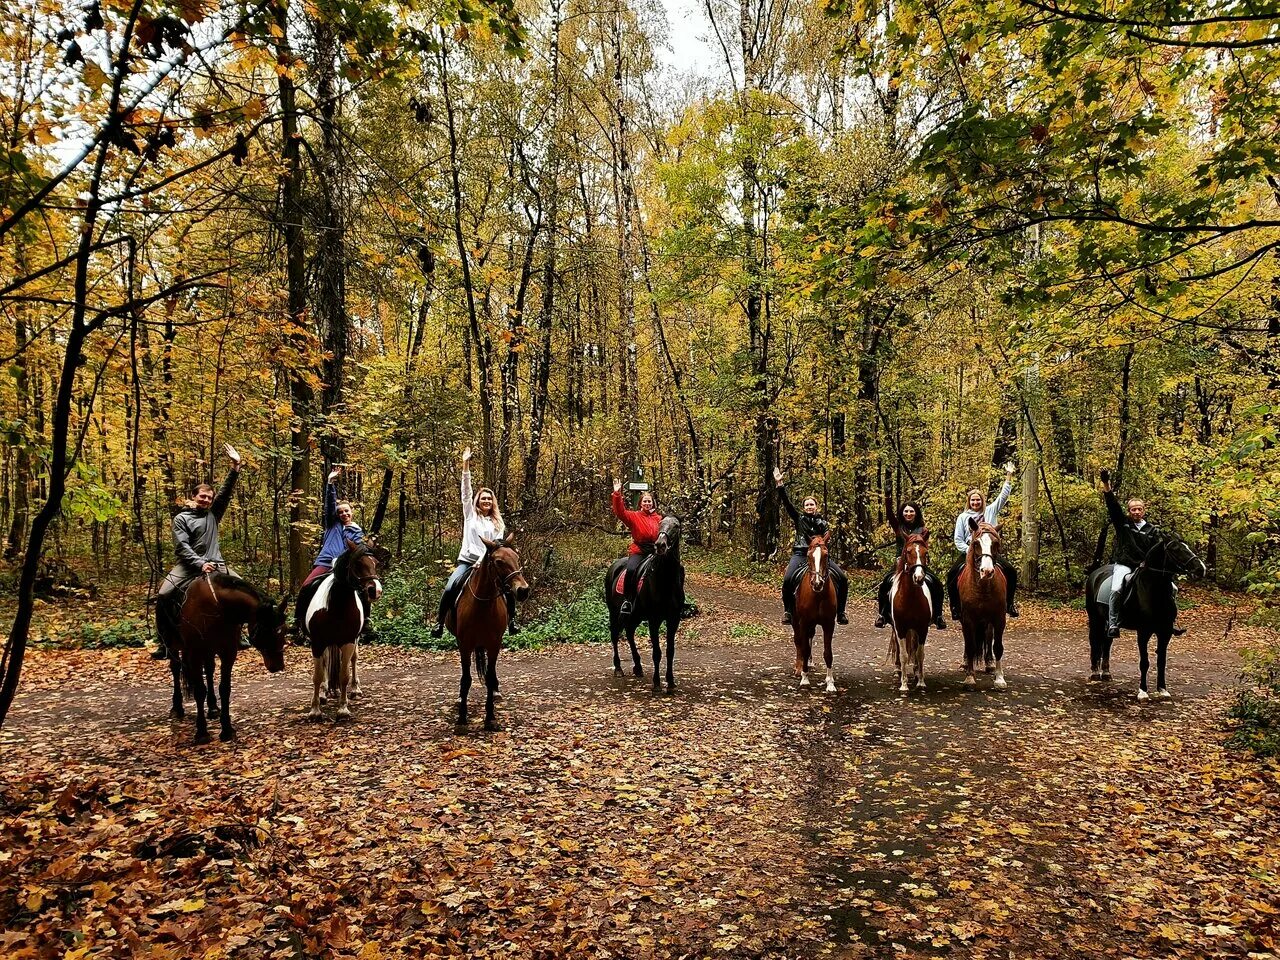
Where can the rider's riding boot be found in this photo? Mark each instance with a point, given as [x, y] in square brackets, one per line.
[437, 631]
[161, 652]
[1013, 609]
[841, 617]
[513, 628]
[939, 623]
[786, 617]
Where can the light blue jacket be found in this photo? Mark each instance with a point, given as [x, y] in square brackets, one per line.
[963, 533]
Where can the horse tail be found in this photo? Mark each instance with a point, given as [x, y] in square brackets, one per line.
[333, 664]
[189, 672]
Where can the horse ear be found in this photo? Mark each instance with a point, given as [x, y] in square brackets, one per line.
[973, 523]
[489, 545]
[351, 544]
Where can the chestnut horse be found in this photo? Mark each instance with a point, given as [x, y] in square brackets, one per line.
[982, 590]
[332, 620]
[214, 610]
[479, 619]
[911, 611]
[815, 607]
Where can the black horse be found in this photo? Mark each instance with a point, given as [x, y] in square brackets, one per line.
[659, 599]
[1149, 607]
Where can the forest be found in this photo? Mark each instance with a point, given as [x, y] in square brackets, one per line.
[883, 245]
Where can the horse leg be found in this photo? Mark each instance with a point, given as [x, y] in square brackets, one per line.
[636, 669]
[903, 656]
[1162, 650]
[1095, 644]
[317, 681]
[614, 629]
[1143, 663]
[803, 642]
[198, 693]
[997, 643]
[208, 682]
[826, 656]
[175, 667]
[655, 629]
[987, 661]
[799, 642]
[464, 688]
[673, 624]
[971, 653]
[224, 688]
[491, 688]
[920, 660]
[346, 654]
[355, 677]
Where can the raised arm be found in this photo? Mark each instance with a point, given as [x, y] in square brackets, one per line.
[468, 500]
[892, 514]
[787, 505]
[1006, 488]
[1113, 504]
[223, 499]
[330, 516]
[619, 506]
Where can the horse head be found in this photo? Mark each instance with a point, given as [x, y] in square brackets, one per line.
[1178, 558]
[818, 555]
[269, 633]
[668, 536]
[357, 568]
[915, 555]
[506, 565]
[986, 537]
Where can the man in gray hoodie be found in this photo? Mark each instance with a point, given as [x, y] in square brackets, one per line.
[195, 541]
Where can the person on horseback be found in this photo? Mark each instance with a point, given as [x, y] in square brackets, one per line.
[808, 524]
[644, 525]
[907, 522]
[195, 543]
[981, 510]
[481, 521]
[339, 527]
[1135, 537]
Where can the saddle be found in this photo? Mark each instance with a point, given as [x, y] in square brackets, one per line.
[793, 581]
[457, 590]
[620, 579]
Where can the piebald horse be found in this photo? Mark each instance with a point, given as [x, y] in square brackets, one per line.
[911, 611]
[815, 607]
[982, 591]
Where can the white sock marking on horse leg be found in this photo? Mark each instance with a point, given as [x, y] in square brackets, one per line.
[1143, 695]
[831, 680]
[1000, 682]
[1163, 694]
[317, 679]
[804, 678]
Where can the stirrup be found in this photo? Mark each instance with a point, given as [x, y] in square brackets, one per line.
[1012, 610]
[437, 631]
[627, 608]
[1113, 632]
[512, 627]
[881, 622]
[1178, 631]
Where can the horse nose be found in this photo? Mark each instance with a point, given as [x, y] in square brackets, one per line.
[522, 592]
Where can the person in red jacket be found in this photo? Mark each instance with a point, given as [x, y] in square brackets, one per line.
[643, 524]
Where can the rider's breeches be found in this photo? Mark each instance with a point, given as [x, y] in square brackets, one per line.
[931, 582]
[450, 591]
[631, 571]
[1118, 572]
[790, 579]
[953, 583]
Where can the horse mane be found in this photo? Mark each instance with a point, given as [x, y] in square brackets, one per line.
[229, 582]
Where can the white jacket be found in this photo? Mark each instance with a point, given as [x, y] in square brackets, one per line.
[475, 528]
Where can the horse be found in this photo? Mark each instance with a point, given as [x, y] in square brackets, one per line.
[982, 591]
[332, 618]
[479, 619]
[215, 608]
[815, 606]
[659, 599]
[1150, 607]
[911, 611]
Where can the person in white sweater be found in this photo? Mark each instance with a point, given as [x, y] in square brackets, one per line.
[481, 521]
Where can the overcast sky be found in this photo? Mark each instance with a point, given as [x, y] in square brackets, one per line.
[690, 38]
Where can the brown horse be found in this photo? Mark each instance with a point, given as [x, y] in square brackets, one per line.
[911, 611]
[479, 619]
[214, 611]
[982, 590]
[332, 621]
[815, 607]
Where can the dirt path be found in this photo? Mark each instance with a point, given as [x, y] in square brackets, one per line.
[742, 816]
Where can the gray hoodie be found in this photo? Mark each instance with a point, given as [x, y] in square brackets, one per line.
[195, 532]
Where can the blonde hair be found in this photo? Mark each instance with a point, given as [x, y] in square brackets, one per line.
[498, 523]
[969, 496]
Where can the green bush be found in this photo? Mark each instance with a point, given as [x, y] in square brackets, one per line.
[1257, 705]
[114, 636]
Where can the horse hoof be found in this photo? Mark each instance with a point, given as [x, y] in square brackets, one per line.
[315, 714]
[201, 738]
[344, 713]
[617, 671]
[970, 681]
[671, 687]
[492, 726]
[637, 671]
[324, 698]
[1000, 683]
[1095, 677]
[804, 679]
[1163, 694]
[356, 692]
[989, 668]
[657, 685]
[830, 687]
[226, 736]
[1143, 695]
[177, 713]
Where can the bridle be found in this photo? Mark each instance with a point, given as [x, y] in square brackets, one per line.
[504, 581]
[817, 577]
[1164, 542]
[919, 564]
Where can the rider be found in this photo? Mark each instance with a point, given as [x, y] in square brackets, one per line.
[195, 542]
[809, 524]
[980, 510]
[908, 522]
[481, 521]
[1135, 536]
[339, 527]
[643, 524]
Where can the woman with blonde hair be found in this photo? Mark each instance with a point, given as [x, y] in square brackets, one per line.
[481, 521]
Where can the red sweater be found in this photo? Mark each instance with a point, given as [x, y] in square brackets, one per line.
[643, 526]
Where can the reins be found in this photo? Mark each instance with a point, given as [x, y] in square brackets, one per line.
[506, 582]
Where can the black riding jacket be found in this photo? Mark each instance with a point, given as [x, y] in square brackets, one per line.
[807, 526]
[1132, 544]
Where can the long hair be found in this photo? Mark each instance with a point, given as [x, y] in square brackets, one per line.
[499, 524]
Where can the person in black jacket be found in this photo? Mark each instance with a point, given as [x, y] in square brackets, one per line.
[809, 524]
[907, 522]
[1135, 537]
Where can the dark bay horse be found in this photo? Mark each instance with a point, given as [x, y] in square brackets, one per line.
[332, 617]
[982, 590]
[1150, 607]
[815, 607]
[659, 600]
[911, 611]
[214, 610]
[479, 619]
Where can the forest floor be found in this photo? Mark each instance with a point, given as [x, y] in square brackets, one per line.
[741, 817]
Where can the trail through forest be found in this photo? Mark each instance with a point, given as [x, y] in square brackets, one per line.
[742, 816]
